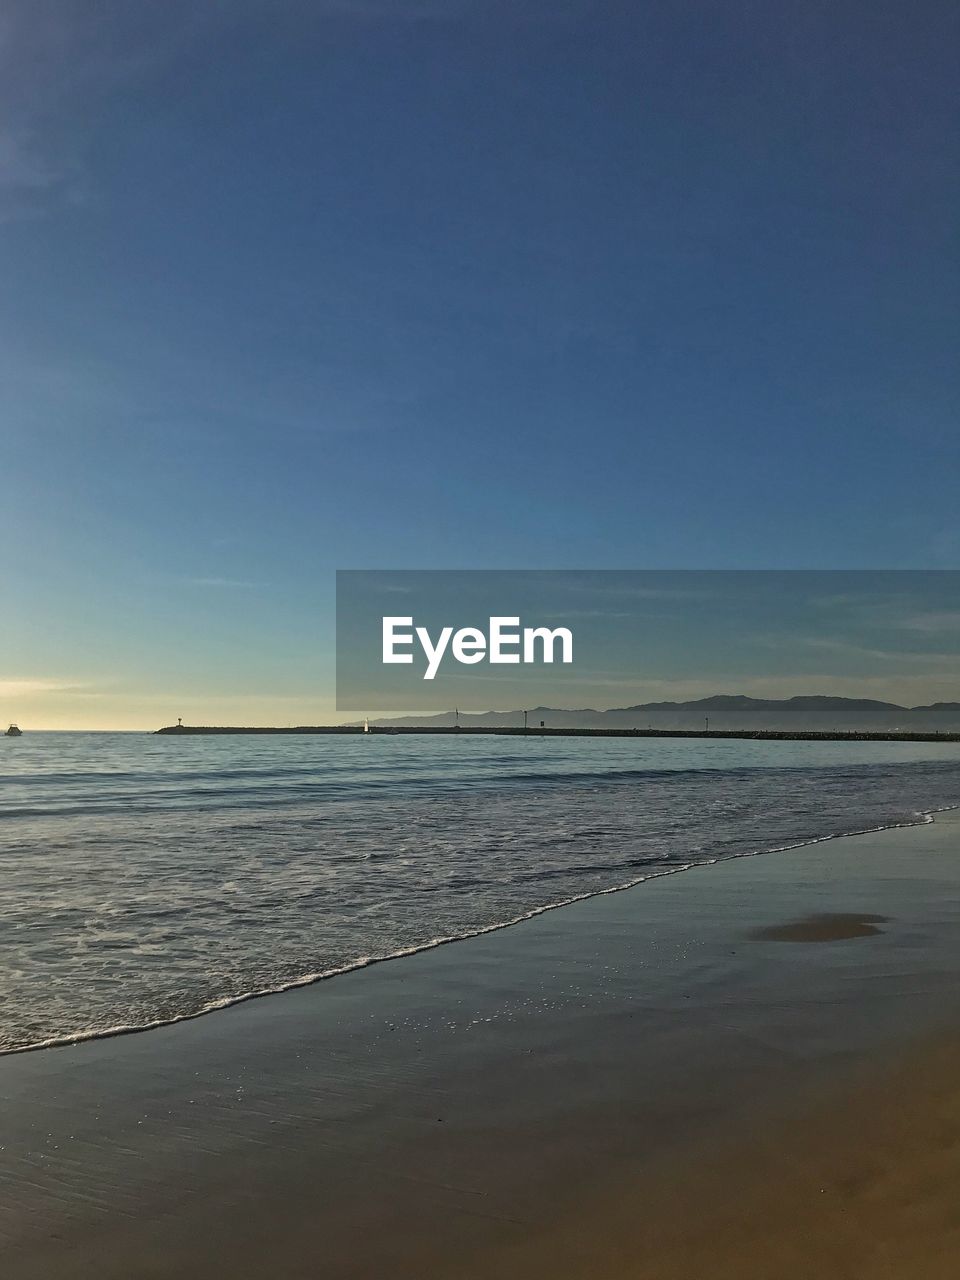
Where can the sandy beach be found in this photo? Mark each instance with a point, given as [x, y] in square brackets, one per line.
[746, 1069]
[863, 1181]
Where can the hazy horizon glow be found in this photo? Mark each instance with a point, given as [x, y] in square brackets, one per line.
[104, 712]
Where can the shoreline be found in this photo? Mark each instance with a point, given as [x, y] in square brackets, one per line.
[451, 1115]
[925, 817]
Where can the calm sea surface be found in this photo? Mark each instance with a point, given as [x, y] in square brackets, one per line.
[145, 879]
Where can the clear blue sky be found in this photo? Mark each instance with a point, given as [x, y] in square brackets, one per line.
[309, 284]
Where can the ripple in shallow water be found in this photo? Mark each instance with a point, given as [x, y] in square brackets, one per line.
[145, 879]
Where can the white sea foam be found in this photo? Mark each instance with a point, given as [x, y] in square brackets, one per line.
[183, 890]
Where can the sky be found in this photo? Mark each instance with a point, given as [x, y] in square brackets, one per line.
[292, 287]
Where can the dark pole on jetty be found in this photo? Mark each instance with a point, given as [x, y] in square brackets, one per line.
[525, 722]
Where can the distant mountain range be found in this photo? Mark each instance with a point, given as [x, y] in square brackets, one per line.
[724, 712]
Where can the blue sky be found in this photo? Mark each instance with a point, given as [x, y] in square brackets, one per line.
[297, 286]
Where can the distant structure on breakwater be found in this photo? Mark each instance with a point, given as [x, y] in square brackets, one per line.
[519, 731]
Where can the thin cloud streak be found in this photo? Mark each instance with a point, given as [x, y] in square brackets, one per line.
[230, 583]
[853, 650]
[15, 688]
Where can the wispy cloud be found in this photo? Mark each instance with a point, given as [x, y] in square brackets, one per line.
[56, 66]
[908, 690]
[907, 657]
[22, 167]
[238, 583]
[31, 178]
[25, 687]
[609, 583]
[893, 617]
[61, 62]
[605, 614]
[400, 10]
[439, 11]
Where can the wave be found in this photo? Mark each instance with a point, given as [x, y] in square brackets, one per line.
[337, 784]
[922, 818]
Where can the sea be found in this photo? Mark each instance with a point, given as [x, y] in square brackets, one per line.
[146, 879]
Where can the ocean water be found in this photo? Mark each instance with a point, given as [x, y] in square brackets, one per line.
[145, 879]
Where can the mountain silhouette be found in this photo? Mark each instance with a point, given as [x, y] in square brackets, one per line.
[724, 711]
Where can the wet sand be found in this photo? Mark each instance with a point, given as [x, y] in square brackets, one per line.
[827, 926]
[646, 1084]
[864, 1181]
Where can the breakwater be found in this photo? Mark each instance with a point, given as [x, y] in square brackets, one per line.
[518, 731]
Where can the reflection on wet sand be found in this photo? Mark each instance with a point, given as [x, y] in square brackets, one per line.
[826, 926]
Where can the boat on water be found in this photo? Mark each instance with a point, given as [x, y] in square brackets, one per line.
[13, 731]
